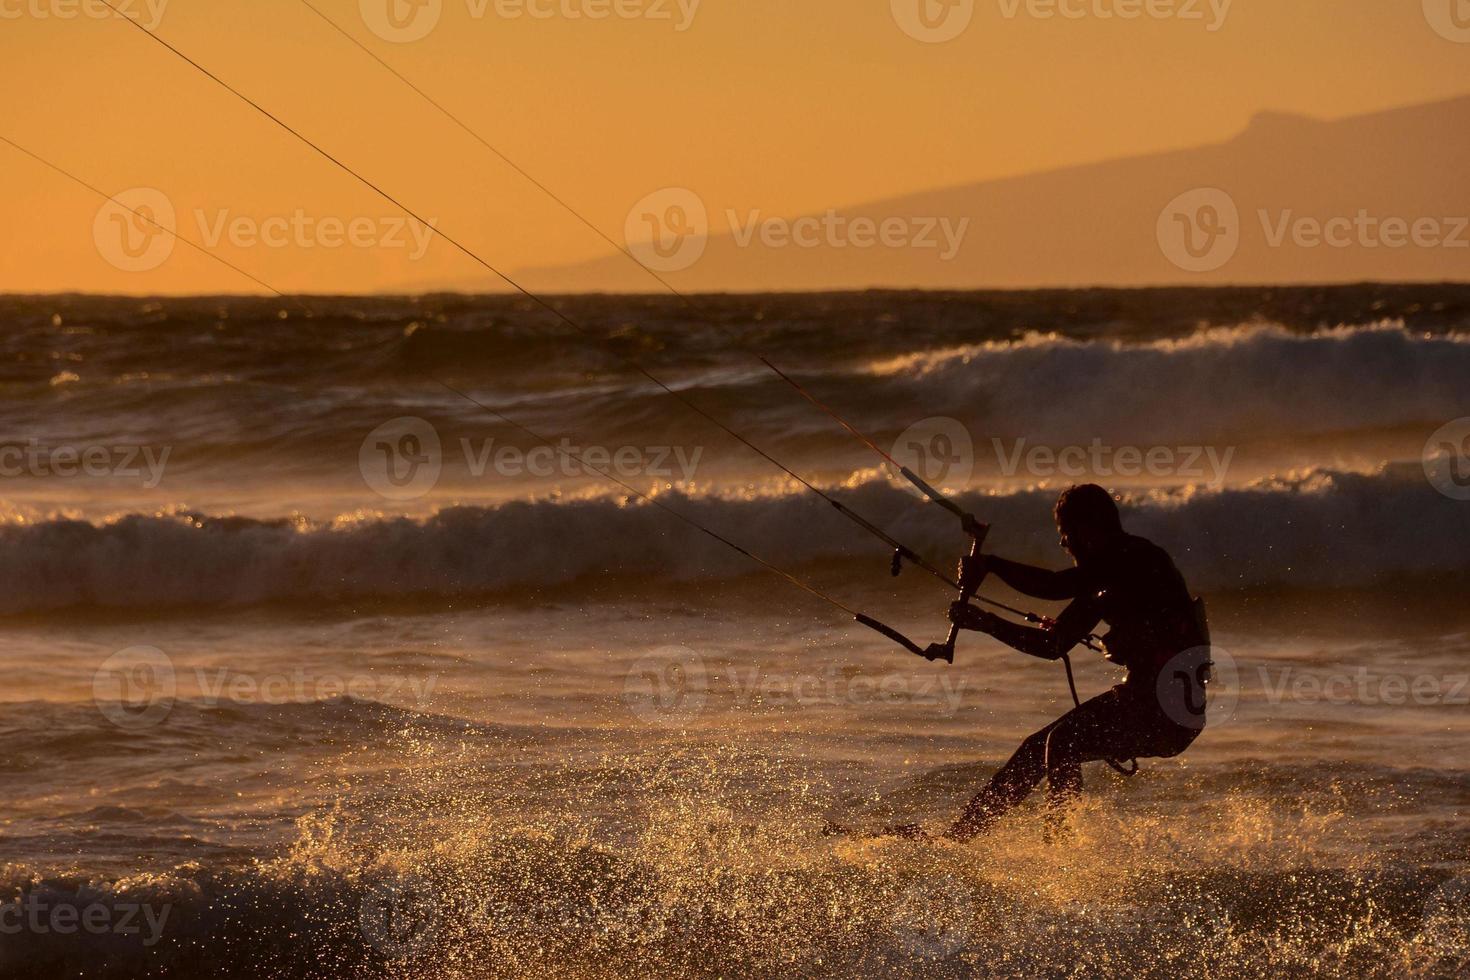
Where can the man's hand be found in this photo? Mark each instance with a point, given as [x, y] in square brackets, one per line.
[972, 571]
[968, 617]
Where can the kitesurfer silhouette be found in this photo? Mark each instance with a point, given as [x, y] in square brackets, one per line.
[1157, 631]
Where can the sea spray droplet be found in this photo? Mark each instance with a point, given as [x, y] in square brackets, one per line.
[1447, 920]
[933, 916]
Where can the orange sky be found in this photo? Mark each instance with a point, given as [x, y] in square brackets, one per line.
[783, 105]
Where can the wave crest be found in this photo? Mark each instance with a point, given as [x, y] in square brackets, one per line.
[1320, 530]
[1257, 381]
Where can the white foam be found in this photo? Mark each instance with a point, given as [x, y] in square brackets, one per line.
[1325, 529]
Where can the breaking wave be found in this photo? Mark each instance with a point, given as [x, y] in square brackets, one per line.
[1320, 530]
[1256, 381]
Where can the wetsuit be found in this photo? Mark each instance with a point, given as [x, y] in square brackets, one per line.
[1157, 632]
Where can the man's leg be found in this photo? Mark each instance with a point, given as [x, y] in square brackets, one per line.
[1089, 733]
[1008, 787]
[1100, 729]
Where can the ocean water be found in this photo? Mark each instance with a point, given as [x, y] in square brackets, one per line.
[318, 669]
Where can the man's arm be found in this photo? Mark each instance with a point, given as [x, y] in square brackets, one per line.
[1042, 583]
[1073, 626]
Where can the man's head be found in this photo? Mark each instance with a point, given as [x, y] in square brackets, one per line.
[1087, 518]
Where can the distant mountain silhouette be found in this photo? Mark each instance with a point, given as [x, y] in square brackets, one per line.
[1111, 223]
